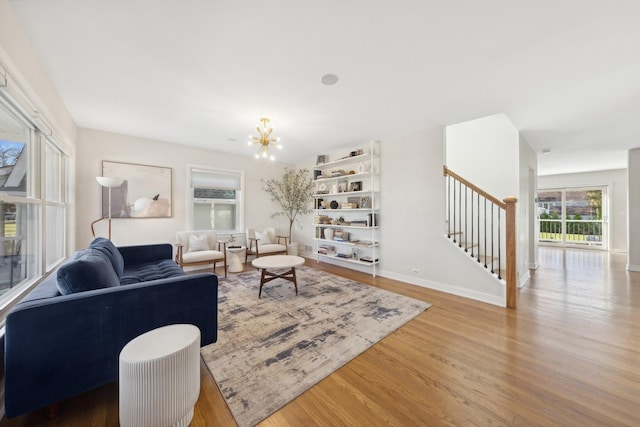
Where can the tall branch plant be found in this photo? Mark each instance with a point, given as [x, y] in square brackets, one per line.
[293, 192]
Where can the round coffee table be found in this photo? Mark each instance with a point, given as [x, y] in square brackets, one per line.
[267, 263]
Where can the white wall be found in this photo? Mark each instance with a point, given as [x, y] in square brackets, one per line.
[17, 54]
[412, 222]
[485, 152]
[527, 250]
[95, 146]
[633, 262]
[26, 74]
[491, 153]
[616, 183]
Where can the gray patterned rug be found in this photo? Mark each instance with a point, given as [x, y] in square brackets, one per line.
[270, 350]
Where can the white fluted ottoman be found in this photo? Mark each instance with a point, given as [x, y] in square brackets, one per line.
[160, 377]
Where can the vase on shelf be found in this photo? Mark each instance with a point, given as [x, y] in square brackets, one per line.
[328, 233]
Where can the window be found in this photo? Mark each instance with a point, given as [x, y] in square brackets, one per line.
[19, 213]
[216, 199]
[32, 201]
[55, 210]
[573, 216]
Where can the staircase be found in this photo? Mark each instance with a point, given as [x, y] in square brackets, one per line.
[484, 227]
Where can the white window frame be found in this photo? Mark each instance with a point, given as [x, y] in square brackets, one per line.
[240, 200]
[19, 106]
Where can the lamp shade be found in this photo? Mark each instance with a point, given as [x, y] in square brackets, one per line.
[109, 181]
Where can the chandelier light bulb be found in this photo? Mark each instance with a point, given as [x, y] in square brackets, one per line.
[264, 140]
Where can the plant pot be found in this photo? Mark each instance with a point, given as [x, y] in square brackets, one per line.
[292, 248]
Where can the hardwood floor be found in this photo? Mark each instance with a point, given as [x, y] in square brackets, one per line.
[568, 356]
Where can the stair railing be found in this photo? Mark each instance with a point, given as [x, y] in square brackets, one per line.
[475, 223]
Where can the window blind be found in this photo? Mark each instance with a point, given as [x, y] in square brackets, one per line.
[227, 180]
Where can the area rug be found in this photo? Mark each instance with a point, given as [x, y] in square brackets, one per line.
[270, 350]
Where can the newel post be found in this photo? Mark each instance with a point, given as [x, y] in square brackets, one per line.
[511, 250]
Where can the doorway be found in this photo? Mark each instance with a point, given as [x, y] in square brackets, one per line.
[573, 217]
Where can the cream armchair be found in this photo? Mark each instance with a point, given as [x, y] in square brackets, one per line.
[200, 247]
[262, 243]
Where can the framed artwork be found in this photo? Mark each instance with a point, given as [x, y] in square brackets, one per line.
[365, 202]
[321, 159]
[355, 201]
[342, 186]
[145, 192]
[355, 186]
[354, 253]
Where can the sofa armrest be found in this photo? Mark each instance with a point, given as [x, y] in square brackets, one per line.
[142, 254]
[58, 347]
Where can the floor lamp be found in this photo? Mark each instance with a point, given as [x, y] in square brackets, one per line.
[109, 182]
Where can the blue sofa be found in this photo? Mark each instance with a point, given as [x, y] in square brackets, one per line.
[66, 335]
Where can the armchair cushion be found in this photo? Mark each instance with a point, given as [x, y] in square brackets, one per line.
[264, 238]
[200, 256]
[198, 243]
[271, 248]
[183, 238]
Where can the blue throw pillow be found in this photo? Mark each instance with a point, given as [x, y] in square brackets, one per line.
[107, 247]
[90, 270]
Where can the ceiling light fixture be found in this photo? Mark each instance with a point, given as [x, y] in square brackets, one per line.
[265, 140]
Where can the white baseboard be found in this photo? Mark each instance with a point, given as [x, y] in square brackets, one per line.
[632, 267]
[524, 279]
[500, 301]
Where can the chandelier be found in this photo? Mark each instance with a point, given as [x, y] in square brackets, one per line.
[265, 140]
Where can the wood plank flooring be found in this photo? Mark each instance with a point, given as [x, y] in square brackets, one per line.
[568, 356]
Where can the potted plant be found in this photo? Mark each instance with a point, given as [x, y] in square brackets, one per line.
[293, 192]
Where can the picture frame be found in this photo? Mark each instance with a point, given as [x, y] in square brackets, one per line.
[322, 159]
[146, 191]
[365, 202]
[355, 186]
[354, 201]
[342, 186]
[354, 253]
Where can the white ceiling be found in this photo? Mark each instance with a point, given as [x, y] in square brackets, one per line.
[202, 72]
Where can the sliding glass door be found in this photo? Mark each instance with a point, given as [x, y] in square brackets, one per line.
[573, 217]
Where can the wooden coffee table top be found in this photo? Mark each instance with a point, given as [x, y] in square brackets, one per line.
[278, 261]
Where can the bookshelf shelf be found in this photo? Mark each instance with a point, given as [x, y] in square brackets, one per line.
[347, 208]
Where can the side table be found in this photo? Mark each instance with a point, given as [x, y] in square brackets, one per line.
[233, 258]
[160, 377]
